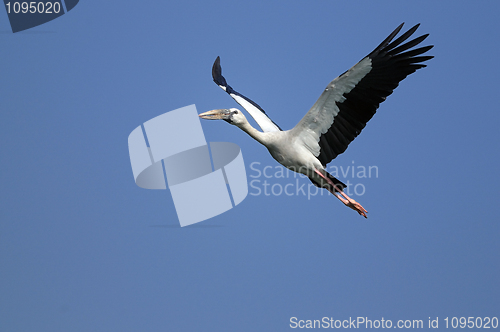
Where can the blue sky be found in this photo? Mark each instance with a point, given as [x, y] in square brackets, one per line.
[82, 248]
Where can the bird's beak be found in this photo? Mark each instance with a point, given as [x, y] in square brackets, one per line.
[221, 114]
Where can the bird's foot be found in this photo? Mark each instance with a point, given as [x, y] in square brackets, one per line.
[356, 207]
[349, 202]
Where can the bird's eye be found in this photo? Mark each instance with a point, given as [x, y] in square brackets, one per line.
[235, 112]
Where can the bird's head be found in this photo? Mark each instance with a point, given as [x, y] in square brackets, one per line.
[232, 115]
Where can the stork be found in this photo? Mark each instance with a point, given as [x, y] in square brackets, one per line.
[337, 117]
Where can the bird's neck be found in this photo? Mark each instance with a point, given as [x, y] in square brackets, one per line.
[254, 133]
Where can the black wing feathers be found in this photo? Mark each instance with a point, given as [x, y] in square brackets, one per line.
[390, 65]
[217, 75]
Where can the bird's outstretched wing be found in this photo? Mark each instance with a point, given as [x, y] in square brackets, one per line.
[350, 100]
[257, 113]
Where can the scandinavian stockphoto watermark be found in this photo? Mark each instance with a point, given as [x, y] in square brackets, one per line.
[171, 150]
[277, 181]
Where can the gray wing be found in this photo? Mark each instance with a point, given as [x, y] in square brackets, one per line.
[350, 100]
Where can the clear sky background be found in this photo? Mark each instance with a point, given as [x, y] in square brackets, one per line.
[82, 248]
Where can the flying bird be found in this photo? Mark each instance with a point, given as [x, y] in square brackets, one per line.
[337, 117]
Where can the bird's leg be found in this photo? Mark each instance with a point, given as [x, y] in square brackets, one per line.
[349, 202]
[337, 192]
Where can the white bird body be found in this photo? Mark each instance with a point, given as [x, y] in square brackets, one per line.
[290, 152]
[337, 117]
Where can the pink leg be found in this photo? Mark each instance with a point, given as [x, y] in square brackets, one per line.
[337, 192]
